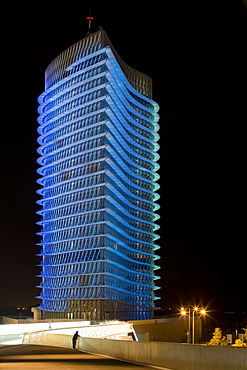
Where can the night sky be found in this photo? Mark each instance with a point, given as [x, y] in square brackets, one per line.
[197, 57]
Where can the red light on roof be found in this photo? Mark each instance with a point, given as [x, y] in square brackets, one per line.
[89, 17]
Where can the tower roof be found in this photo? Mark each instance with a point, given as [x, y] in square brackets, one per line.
[59, 67]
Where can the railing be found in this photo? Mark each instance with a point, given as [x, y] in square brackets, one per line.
[167, 355]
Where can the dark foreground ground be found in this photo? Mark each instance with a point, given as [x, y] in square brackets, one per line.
[46, 357]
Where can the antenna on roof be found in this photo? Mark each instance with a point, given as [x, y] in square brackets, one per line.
[89, 18]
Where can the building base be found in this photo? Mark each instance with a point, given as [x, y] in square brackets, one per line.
[99, 310]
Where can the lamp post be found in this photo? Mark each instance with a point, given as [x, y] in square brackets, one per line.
[195, 309]
[193, 325]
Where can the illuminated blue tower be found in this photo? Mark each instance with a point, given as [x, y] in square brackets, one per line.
[98, 153]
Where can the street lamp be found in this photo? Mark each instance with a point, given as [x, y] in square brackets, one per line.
[193, 324]
[194, 310]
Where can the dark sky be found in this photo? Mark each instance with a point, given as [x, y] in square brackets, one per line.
[196, 56]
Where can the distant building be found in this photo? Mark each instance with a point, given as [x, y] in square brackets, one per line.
[98, 152]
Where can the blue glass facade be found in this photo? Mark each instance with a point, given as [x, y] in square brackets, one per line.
[98, 167]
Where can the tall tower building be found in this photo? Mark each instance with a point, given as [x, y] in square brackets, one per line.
[98, 153]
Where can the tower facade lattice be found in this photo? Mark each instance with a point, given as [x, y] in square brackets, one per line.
[98, 172]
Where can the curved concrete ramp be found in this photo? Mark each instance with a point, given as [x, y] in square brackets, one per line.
[37, 357]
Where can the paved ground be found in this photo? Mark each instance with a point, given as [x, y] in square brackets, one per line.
[36, 357]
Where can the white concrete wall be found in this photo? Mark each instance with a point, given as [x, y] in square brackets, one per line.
[169, 355]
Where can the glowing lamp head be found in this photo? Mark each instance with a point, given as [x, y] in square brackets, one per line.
[183, 311]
